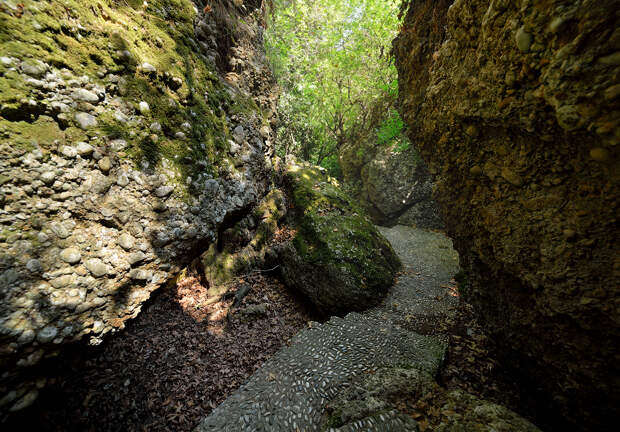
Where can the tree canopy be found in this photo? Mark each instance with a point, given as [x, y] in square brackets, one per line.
[332, 61]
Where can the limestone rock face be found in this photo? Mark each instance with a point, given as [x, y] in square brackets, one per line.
[97, 207]
[393, 186]
[337, 258]
[400, 188]
[514, 106]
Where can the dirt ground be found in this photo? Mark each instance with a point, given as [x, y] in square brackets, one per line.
[183, 356]
[173, 364]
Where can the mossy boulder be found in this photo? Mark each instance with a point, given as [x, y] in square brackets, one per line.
[391, 183]
[471, 414]
[337, 258]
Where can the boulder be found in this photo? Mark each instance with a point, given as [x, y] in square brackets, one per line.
[393, 186]
[398, 187]
[337, 258]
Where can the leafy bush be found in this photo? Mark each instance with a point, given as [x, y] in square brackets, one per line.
[339, 86]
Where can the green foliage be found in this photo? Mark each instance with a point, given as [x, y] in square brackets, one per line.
[338, 83]
[391, 132]
[331, 164]
[391, 127]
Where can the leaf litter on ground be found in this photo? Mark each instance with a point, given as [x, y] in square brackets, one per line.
[172, 365]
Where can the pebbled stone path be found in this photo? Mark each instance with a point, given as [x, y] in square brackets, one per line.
[292, 390]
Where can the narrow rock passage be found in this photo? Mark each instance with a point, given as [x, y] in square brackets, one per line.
[293, 390]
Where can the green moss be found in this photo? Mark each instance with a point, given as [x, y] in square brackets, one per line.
[333, 230]
[268, 212]
[23, 135]
[241, 104]
[219, 269]
[13, 89]
[73, 134]
[86, 37]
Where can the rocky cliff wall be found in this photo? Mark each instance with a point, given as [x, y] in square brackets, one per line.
[130, 132]
[515, 105]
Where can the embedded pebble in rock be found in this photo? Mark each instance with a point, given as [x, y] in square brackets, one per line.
[47, 334]
[26, 400]
[264, 131]
[105, 164]
[234, 147]
[118, 144]
[26, 337]
[126, 241]
[292, 390]
[163, 191]
[61, 230]
[144, 107]
[141, 275]
[96, 267]
[70, 255]
[612, 92]
[48, 177]
[148, 68]
[611, 59]
[62, 281]
[98, 326]
[136, 258]
[239, 131]
[121, 117]
[69, 152]
[85, 95]
[84, 149]
[34, 265]
[122, 180]
[85, 120]
[35, 68]
[523, 39]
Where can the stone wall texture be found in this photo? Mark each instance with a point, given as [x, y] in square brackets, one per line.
[129, 133]
[515, 106]
[393, 186]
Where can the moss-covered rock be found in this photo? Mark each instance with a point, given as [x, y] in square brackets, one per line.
[389, 390]
[374, 394]
[392, 185]
[126, 143]
[471, 414]
[337, 258]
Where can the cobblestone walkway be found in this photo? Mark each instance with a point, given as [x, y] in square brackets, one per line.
[291, 391]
